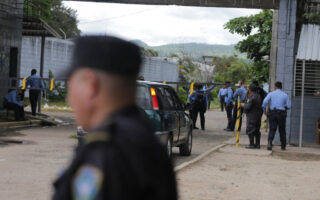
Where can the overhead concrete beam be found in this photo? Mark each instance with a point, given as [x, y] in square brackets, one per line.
[258, 4]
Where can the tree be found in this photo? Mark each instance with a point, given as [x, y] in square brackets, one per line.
[55, 14]
[231, 69]
[258, 32]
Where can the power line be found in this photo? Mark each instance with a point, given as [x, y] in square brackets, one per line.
[121, 16]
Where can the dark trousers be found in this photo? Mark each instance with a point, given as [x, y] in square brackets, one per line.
[195, 111]
[253, 130]
[18, 111]
[277, 119]
[235, 116]
[222, 104]
[34, 96]
[229, 115]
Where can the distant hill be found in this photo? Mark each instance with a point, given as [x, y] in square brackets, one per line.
[195, 50]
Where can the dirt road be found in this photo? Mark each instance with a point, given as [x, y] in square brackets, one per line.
[241, 174]
[28, 170]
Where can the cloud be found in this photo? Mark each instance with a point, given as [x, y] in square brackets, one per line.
[158, 25]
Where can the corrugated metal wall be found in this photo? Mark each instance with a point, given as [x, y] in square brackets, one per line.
[159, 69]
[58, 55]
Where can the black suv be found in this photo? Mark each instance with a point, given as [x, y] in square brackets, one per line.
[167, 115]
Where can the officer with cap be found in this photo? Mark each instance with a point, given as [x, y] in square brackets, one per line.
[242, 93]
[229, 105]
[253, 110]
[279, 103]
[120, 157]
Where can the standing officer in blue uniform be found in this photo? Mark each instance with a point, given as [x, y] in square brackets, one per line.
[14, 101]
[221, 95]
[120, 158]
[35, 83]
[242, 93]
[279, 104]
[229, 105]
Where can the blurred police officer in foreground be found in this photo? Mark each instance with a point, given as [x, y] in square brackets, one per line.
[120, 157]
[253, 110]
[221, 95]
[279, 103]
[229, 105]
[241, 92]
[35, 83]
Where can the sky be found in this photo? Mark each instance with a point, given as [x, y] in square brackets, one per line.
[158, 25]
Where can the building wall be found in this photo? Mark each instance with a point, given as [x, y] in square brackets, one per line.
[57, 55]
[286, 51]
[159, 69]
[11, 12]
[311, 114]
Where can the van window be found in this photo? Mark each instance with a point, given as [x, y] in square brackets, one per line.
[143, 98]
[165, 99]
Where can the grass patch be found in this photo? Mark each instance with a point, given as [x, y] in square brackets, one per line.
[215, 104]
[73, 136]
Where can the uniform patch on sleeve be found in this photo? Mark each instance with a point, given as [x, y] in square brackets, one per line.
[87, 183]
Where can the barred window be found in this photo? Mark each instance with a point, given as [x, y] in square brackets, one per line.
[312, 78]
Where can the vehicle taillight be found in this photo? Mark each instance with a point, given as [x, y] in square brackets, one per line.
[155, 103]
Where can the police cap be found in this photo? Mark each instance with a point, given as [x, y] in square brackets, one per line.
[106, 53]
[253, 87]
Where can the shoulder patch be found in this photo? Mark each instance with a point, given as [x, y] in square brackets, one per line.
[87, 183]
[97, 137]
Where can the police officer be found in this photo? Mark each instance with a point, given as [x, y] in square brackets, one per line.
[279, 103]
[14, 101]
[221, 95]
[229, 106]
[253, 110]
[260, 90]
[120, 157]
[242, 93]
[34, 92]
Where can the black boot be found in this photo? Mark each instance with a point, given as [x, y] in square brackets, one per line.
[258, 141]
[251, 141]
[283, 147]
[270, 145]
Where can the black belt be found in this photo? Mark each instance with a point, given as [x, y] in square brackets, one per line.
[278, 111]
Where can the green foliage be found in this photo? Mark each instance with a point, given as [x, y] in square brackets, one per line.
[65, 18]
[183, 95]
[193, 50]
[258, 32]
[231, 69]
[58, 94]
[149, 52]
[312, 18]
[55, 14]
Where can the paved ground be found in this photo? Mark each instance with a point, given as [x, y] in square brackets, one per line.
[242, 174]
[29, 169]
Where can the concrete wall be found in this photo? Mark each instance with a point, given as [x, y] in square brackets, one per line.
[11, 12]
[159, 69]
[57, 55]
[311, 113]
[286, 50]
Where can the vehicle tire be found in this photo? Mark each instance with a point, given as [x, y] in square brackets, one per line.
[169, 146]
[185, 149]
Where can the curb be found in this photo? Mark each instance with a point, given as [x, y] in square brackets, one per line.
[197, 159]
[20, 123]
